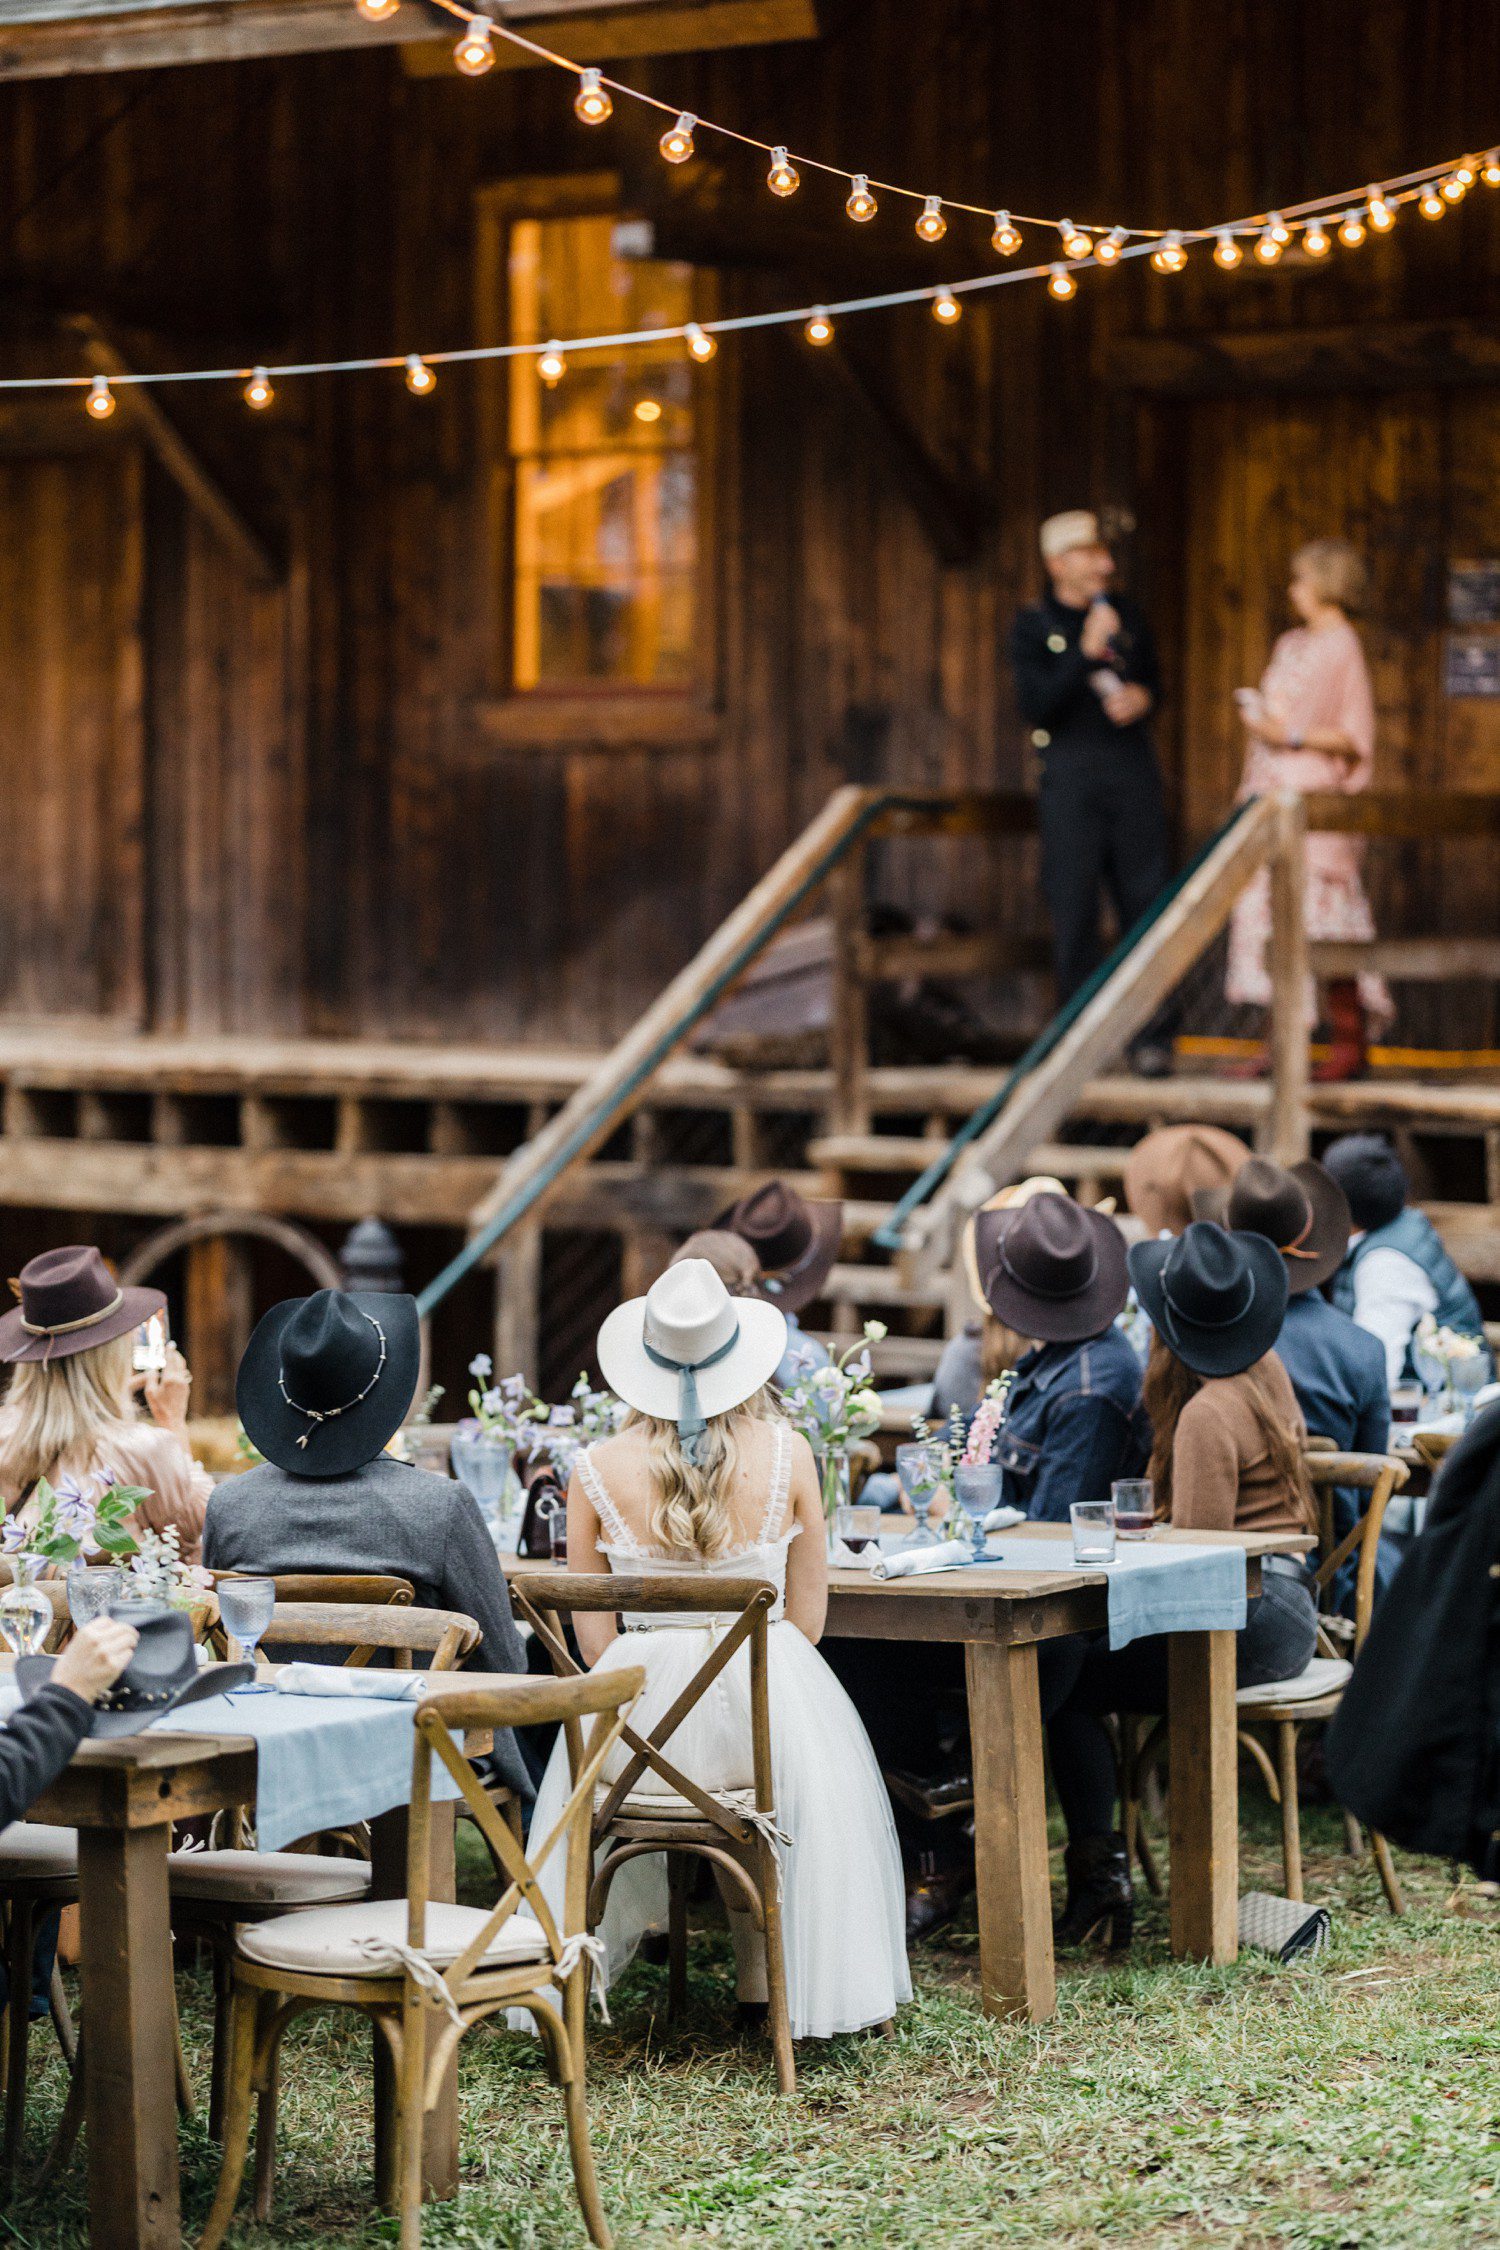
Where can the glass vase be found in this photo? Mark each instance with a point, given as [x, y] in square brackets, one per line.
[25, 1612]
[487, 1466]
[833, 1475]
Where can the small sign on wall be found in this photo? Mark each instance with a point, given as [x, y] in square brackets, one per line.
[1472, 665]
[1474, 593]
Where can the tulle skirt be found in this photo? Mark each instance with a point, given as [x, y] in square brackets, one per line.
[843, 1895]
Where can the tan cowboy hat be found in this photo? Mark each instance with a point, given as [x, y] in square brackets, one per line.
[1168, 1169]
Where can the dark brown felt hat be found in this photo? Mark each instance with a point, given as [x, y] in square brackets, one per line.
[796, 1241]
[1051, 1269]
[1300, 1207]
[70, 1301]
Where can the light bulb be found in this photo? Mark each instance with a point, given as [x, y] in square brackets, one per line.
[1108, 251]
[782, 179]
[419, 376]
[258, 391]
[932, 226]
[1005, 238]
[1227, 252]
[1352, 231]
[819, 329]
[1267, 247]
[1315, 241]
[1464, 174]
[648, 410]
[552, 366]
[1170, 257]
[946, 307]
[1382, 215]
[1062, 283]
[861, 204]
[676, 143]
[377, 11]
[699, 342]
[1074, 240]
[1278, 230]
[101, 399]
[1432, 205]
[475, 52]
[1455, 188]
[591, 103]
[1491, 172]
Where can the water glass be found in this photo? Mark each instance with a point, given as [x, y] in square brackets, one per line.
[976, 1489]
[1135, 1507]
[245, 1604]
[1093, 1532]
[91, 1591]
[917, 1467]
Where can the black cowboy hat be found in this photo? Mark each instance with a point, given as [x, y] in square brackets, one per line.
[70, 1301]
[796, 1241]
[326, 1380]
[1217, 1299]
[1299, 1207]
[1051, 1269]
[162, 1673]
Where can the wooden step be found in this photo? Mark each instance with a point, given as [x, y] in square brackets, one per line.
[892, 1152]
[877, 1285]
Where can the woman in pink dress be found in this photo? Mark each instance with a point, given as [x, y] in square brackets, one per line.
[1311, 726]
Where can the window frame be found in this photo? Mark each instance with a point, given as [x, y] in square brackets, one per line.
[614, 713]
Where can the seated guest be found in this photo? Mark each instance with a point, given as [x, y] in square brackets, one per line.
[70, 1410]
[1397, 1269]
[1170, 1170]
[1226, 1455]
[984, 1347]
[730, 1255]
[325, 1383]
[795, 1244]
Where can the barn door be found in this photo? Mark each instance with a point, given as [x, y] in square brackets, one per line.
[72, 755]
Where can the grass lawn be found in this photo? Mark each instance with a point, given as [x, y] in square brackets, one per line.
[1355, 2102]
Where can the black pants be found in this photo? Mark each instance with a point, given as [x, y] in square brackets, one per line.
[1082, 1681]
[1103, 826]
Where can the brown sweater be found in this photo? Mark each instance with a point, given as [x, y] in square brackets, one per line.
[1222, 1478]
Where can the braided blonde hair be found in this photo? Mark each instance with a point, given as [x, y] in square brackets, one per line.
[690, 1513]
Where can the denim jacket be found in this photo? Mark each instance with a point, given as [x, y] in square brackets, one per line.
[1075, 1423]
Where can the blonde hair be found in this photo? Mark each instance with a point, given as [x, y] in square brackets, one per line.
[1000, 1347]
[690, 1512]
[62, 1410]
[1337, 572]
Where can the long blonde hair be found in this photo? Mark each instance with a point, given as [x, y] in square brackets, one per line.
[1168, 1387]
[63, 1410]
[690, 1512]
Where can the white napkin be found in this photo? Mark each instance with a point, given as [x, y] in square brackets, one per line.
[920, 1562]
[346, 1679]
[1001, 1519]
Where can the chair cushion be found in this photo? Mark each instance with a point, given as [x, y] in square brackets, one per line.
[653, 1800]
[328, 1940]
[29, 1849]
[268, 1878]
[1324, 1675]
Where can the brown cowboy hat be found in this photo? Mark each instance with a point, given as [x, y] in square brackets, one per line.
[796, 1241]
[1300, 1207]
[70, 1301]
[1052, 1269]
[1167, 1169]
[1009, 1199]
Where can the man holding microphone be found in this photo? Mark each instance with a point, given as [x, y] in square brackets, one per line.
[1087, 682]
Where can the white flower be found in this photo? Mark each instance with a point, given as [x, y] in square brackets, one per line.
[876, 1331]
[480, 1366]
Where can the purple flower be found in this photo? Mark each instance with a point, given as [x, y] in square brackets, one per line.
[14, 1534]
[480, 1366]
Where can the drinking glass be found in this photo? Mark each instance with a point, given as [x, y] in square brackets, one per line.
[245, 1604]
[976, 1489]
[1093, 1532]
[917, 1468]
[1135, 1507]
[91, 1591]
[856, 1526]
[1407, 1401]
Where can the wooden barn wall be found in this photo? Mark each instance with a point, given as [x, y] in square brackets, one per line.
[236, 808]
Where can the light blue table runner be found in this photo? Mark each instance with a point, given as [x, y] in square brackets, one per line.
[1166, 1588]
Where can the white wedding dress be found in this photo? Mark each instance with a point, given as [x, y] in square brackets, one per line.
[843, 1898]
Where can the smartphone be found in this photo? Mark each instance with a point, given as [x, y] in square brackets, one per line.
[151, 1346]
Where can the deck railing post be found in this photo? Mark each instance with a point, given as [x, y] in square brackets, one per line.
[849, 1018]
[1289, 975]
[518, 1292]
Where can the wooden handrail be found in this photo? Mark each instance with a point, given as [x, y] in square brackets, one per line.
[1418, 815]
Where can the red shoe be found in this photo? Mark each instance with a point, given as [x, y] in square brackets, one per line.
[1346, 1057]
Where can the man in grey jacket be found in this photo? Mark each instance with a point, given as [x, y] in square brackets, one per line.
[325, 1383]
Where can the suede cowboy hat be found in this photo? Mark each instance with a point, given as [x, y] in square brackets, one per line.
[1301, 1208]
[1217, 1299]
[1009, 1199]
[326, 1380]
[70, 1301]
[1051, 1269]
[730, 1255]
[687, 1350]
[1168, 1169]
[796, 1241]
[163, 1672]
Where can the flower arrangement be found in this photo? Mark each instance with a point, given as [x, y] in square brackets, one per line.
[989, 1418]
[586, 1418]
[158, 1573]
[505, 1413]
[75, 1517]
[835, 1406]
[1459, 1361]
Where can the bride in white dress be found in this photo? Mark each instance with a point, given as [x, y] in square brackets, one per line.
[707, 1478]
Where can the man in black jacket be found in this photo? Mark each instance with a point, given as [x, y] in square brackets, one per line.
[1087, 682]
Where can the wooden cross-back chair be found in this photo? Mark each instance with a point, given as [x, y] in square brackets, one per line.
[651, 1806]
[426, 1971]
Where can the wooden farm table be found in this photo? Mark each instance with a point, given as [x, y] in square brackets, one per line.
[999, 1617]
[122, 1797]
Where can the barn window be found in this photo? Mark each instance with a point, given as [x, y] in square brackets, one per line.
[604, 472]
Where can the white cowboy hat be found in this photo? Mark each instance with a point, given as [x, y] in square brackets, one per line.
[687, 1350]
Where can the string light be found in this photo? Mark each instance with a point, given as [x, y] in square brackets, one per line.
[1491, 173]
[552, 366]
[1455, 187]
[475, 52]
[1380, 214]
[1108, 251]
[1075, 242]
[700, 344]
[861, 204]
[1170, 257]
[1061, 283]
[1352, 231]
[946, 307]
[1267, 247]
[101, 399]
[419, 376]
[591, 103]
[1005, 239]
[1432, 205]
[377, 11]
[819, 329]
[1278, 230]
[258, 391]
[1315, 241]
[648, 410]
[1464, 174]
[1227, 252]
[783, 178]
[676, 143]
[932, 226]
